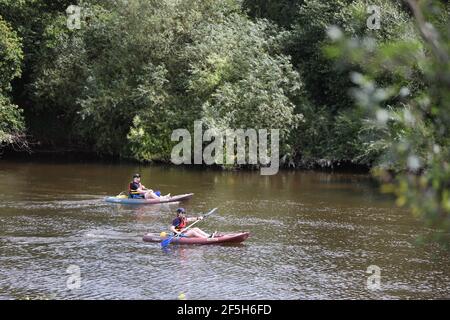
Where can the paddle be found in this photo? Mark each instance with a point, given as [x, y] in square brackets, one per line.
[167, 241]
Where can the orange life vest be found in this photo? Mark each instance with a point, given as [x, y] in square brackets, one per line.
[182, 225]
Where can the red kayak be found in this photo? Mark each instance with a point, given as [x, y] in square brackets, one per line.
[221, 238]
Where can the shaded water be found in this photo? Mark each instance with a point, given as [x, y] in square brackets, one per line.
[313, 237]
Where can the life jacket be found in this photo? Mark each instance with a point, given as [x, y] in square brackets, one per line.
[130, 191]
[182, 225]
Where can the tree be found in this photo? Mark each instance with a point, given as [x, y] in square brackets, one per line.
[138, 70]
[235, 80]
[11, 55]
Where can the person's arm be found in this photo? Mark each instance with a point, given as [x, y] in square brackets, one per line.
[140, 190]
[144, 189]
[172, 228]
[175, 224]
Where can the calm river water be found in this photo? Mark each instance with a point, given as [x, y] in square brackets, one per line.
[314, 235]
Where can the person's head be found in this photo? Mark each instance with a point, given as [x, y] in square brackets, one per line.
[181, 212]
[137, 177]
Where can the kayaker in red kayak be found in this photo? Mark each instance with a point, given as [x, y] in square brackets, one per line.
[137, 190]
[181, 221]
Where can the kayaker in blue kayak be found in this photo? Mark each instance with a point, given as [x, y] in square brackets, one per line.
[181, 221]
[137, 190]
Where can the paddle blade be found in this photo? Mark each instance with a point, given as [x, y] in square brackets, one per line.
[211, 212]
[166, 242]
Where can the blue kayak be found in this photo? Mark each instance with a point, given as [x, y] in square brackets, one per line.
[125, 200]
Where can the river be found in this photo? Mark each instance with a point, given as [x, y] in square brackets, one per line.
[313, 236]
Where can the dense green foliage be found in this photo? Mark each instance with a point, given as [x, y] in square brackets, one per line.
[11, 55]
[136, 70]
[28, 19]
[333, 129]
[409, 123]
[133, 86]
[338, 136]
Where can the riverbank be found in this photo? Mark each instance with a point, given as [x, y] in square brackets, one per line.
[63, 155]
